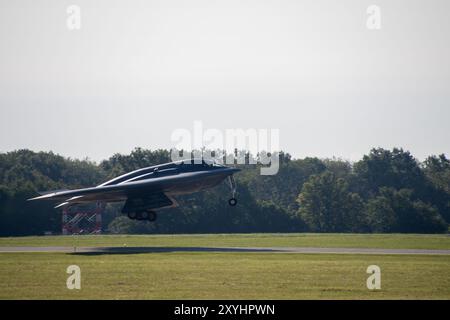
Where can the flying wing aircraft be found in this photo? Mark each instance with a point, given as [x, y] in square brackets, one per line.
[150, 188]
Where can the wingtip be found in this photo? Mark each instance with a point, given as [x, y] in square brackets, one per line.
[34, 198]
[45, 196]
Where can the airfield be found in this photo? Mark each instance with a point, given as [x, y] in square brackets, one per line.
[234, 266]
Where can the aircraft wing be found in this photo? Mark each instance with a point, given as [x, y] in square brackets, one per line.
[85, 194]
[148, 193]
[102, 193]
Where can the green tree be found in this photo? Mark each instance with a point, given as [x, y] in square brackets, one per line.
[397, 211]
[396, 169]
[327, 205]
[437, 171]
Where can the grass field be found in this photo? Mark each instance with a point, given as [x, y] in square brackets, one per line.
[227, 275]
[386, 241]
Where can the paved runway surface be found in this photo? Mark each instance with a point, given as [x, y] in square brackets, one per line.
[131, 250]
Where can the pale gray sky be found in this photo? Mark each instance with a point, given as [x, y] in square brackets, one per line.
[137, 70]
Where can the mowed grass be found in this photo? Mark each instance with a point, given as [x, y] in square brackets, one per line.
[387, 241]
[226, 275]
[204, 275]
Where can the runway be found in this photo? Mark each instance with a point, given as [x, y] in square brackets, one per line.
[303, 250]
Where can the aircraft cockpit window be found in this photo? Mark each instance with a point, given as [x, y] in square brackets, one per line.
[208, 163]
[218, 165]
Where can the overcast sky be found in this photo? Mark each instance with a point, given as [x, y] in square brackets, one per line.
[138, 70]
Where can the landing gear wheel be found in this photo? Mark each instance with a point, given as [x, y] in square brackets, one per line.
[132, 215]
[151, 215]
[143, 215]
[232, 202]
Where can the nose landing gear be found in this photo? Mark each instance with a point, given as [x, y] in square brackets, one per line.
[232, 184]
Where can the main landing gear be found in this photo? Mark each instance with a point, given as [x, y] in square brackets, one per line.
[143, 215]
[232, 184]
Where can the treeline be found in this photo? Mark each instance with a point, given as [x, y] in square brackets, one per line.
[386, 191]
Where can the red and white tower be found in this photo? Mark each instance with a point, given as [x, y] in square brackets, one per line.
[83, 219]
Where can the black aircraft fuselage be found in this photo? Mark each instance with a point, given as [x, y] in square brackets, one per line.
[150, 188]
